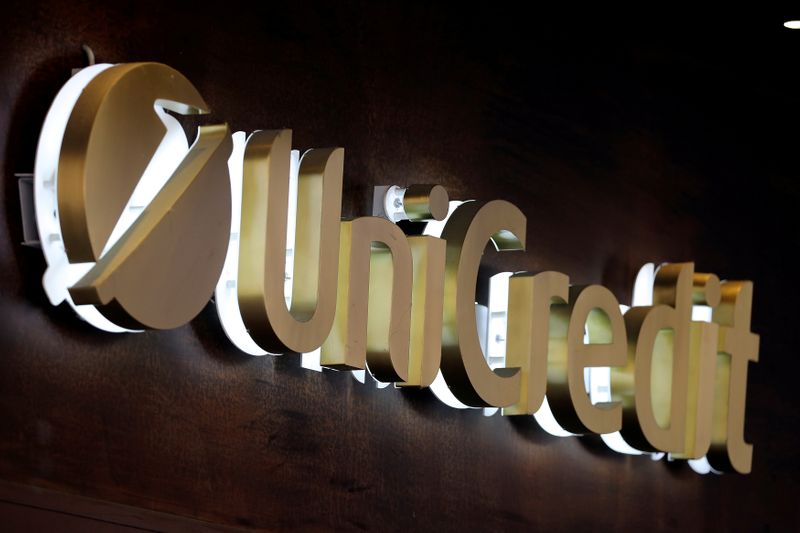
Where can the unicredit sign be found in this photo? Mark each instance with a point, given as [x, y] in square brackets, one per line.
[139, 229]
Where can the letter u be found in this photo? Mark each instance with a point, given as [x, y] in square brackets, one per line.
[305, 325]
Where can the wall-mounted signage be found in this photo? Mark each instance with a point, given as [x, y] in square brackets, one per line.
[139, 229]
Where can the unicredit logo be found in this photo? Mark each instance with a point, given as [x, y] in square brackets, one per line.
[140, 229]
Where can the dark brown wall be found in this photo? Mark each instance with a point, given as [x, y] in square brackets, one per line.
[623, 141]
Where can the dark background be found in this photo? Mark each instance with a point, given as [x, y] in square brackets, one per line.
[625, 139]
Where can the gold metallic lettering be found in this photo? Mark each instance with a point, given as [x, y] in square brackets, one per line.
[425, 353]
[111, 135]
[262, 252]
[530, 331]
[143, 281]
[702, 359]
[658, 358]
[737, 347]
[464, 367]
[375, 276]
[425, 202]
[371, 296]
[595, 310]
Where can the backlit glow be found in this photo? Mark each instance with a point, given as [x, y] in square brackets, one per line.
[60, 273]
[226, 295]
[491, 320]
[600, 378]
[792, 24]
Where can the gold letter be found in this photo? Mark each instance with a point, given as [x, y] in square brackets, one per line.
[375, 269]
[262, 252]
[658, 359]
[737, 346]
[161, 271]
[464, 367]
[593, 307]
[529, 333]
[427, 300]
[702, 358]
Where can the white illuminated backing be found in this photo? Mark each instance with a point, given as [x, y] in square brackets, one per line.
[492, 326]
[225, 294]
[439, 386]
[702, 466]
[792, 24]
[60, 273]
